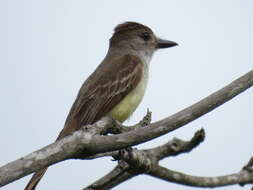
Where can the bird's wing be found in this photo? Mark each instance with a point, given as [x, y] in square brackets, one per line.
[99, 95]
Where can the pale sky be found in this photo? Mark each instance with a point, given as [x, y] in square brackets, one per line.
[49, 47]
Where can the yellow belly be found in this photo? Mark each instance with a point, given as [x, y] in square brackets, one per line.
[128, 105]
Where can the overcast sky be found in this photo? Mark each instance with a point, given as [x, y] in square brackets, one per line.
[49, 47]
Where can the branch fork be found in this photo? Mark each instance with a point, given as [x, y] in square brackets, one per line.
[93, 142]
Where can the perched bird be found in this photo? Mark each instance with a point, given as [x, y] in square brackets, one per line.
[118, 84]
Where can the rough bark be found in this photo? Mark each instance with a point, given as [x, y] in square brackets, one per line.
[91, 142]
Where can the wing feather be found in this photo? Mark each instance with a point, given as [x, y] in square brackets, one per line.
[104, 89]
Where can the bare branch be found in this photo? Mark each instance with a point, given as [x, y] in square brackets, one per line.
[100, 155]
[137, 158]
[119, 174]
[58, 151]
[88, 143]
[145, 162]
[242, 177]
[177, 146]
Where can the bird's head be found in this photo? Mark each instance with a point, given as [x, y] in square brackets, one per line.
[137, 37]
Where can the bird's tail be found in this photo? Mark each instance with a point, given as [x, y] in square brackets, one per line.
[35, 179]
[68, 129]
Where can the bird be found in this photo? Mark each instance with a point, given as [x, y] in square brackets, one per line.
[117, 85]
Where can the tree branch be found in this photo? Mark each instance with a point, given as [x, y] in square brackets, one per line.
[137, 161]
[145, 162]
[88, 143]
[119, 174]
[242, 177]
[177, 146]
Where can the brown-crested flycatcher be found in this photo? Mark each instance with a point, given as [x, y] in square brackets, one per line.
[118, 84]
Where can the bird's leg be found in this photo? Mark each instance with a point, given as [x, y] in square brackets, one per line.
[118, 127]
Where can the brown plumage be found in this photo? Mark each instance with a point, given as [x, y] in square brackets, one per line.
[97, 96]
[130, 26]
[127, 29]
[118, 84]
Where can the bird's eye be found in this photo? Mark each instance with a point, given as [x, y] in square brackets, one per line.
[145, 36]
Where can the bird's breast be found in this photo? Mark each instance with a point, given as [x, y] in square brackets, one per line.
[128, 105]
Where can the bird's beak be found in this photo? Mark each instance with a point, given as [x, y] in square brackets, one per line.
[165, 43]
